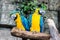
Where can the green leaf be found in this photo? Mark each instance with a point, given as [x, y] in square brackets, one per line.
[30, 5]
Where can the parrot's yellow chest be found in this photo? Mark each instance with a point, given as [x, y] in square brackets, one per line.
[35, 22]
[19, 22]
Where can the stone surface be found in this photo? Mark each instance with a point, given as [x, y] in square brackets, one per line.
[53, 4]
[6, 8]
[5, 34]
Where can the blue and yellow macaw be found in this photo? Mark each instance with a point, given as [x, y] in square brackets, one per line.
[36, 21]
[21, 21]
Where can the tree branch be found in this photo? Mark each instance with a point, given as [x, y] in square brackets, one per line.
[30, 35]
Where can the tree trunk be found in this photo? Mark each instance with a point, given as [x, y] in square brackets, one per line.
[53, 30]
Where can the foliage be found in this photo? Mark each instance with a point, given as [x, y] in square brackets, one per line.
[28, 6]
[44, 7]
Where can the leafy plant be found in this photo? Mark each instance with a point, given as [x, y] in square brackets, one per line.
[28, 6]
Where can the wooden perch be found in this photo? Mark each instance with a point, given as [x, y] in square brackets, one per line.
[29, 35]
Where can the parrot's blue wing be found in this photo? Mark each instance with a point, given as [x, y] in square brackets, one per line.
[41, 24]
[25, 23]
[30, 20]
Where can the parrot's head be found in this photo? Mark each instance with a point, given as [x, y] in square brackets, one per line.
[41, 11]
[13, 15]
[42, 7]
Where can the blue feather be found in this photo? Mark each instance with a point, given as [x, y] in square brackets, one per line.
[25, 23]
[41, 24]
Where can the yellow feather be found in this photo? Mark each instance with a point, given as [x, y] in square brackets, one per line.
[19, 22]
[35, 21]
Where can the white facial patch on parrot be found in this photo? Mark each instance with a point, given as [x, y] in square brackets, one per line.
[13, 16]
[42, 11]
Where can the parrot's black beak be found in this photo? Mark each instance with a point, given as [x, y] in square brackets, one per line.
[39, 13]
[15, 18]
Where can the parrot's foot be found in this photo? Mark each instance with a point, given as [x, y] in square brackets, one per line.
[21, 29]
[34, 32]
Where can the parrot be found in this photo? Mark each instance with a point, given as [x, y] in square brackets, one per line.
[20, 20]
[36, 22]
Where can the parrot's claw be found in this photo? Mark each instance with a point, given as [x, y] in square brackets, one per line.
[21, 30]
[34, 32]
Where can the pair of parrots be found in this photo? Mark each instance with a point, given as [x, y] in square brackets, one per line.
[33, 23]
